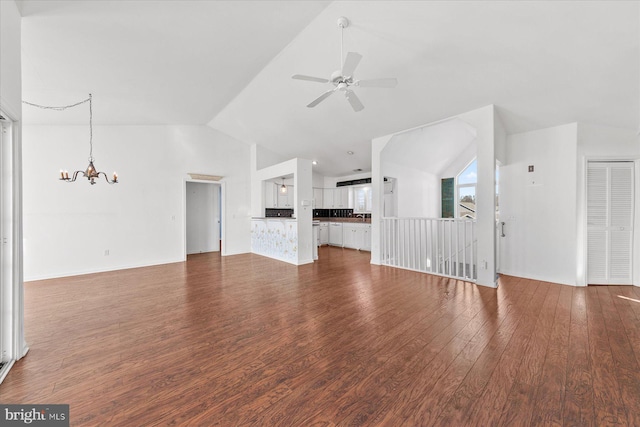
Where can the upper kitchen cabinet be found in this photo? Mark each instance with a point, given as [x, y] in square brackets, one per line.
[335, 198]
[318, 198]
[341, 198]
[270, 195]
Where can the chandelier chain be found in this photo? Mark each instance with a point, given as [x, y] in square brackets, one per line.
[57, 108]
[65, 107]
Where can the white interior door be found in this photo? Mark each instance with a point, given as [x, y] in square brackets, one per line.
[610, 214]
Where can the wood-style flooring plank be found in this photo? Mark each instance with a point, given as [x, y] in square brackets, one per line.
[608, 405]
[518, 409]
[487, 410]
[498, 333]
[550, 391]
[364, 405]
[578, 408]
[625, 366]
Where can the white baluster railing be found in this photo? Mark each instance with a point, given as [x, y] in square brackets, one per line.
[442, 246]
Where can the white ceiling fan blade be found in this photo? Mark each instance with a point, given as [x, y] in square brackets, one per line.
[350, 63]
[386, 82]
[354, 100]
[310, 78]
[321, 98]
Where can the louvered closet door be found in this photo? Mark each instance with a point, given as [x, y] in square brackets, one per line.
[609, 222]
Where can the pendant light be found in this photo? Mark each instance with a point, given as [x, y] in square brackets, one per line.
[283, 188]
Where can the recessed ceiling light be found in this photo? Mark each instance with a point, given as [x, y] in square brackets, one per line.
[349, 152]
[314, 162]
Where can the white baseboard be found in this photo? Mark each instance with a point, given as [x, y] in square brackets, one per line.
[100, 270]
[538, 277]
[5, 369]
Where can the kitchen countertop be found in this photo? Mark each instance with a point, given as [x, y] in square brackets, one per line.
[342, 219]
[276, 218]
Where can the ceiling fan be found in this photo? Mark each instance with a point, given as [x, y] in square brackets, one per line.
[343, 79]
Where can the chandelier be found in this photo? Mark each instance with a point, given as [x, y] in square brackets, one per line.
[91, 173]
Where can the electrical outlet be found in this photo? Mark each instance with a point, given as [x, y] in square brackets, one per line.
[106, 252]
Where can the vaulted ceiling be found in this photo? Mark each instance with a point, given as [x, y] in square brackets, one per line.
[229, 64]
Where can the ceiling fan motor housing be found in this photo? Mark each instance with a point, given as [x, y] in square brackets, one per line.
[337, 78]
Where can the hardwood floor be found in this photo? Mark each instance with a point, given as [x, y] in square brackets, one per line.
[245, 340]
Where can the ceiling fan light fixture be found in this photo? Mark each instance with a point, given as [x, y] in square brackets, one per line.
[343, 79]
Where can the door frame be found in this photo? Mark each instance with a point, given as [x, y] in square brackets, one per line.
[223, 218]
[583, 260]
[14, 345]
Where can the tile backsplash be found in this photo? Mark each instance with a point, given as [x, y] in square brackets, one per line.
[283, 213]
[336, 213]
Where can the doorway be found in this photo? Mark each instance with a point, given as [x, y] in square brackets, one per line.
[203, 217]
[610, 218]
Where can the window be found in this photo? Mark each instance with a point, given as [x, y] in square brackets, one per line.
[466, 190]
[362, 199]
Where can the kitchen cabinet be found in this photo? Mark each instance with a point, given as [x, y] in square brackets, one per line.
[327, 198]
[349, 236]
[317, 198]
[285, 201]
[324, 233]
[357, 236]
[341, 198]
[335, 198]
[270, 195]
[366, 238]
[335, 233]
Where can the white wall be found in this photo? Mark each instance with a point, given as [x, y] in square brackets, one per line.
[500, 139]
[539, 208]
[266, 157]
[10, 62]
[418, 192]
[68, 226]
[605, 143]
[459, 163]
[317, 180]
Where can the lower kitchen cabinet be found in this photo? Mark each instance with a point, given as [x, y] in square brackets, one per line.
[357, 236]
[324, 233]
